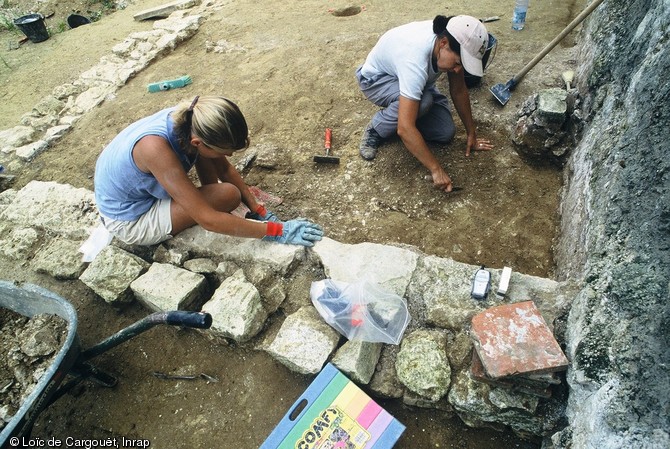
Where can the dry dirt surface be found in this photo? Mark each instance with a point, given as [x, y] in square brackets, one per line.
[289, 66]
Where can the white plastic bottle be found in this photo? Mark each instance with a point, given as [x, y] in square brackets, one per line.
[519, 15]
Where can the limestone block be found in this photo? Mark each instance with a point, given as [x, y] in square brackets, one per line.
[165, 287]
[552, 106]
[304, 342]
[69, 119]
[111, 273]
[385, 381]
[7, 196]
[56, 132]
[28, 152]
[225, 269]
[389, 266]
[201, 265]
[17, 243]
[422, 364]
[124, 48]
[16, 136]
[58, 208]
[40, 122]
[170, 255]
[416, 400]
[49, 105]
[185, 26]
[281, 258]
[64, 91]
[236, 309]
[168, 41]
[151, 35]
[59, 258]
[268, 283]
[357, 359]
[440, 293]
[92, 97]
[165, 10]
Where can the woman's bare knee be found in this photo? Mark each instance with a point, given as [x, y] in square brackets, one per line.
[223, 196]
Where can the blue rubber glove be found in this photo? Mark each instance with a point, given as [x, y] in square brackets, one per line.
[296, 232]
[262, 214]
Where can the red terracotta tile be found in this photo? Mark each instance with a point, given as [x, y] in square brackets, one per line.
[514, 339]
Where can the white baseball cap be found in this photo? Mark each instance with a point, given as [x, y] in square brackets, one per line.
[473, 37]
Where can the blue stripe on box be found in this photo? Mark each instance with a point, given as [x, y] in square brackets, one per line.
[311, 393]
[390, 436]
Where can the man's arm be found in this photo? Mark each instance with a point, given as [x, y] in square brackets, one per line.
[461, 99]
[408, 112]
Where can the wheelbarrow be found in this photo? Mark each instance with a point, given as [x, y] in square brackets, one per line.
[30, 300]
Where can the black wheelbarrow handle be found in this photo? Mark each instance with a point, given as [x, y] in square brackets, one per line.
[82, 369]
[198, 320]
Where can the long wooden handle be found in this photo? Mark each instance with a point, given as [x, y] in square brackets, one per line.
[577, 20]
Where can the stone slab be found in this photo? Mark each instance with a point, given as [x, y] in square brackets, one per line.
[164, 10]
[388, 266]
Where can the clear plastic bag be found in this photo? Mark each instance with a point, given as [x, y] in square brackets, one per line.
[361, 311]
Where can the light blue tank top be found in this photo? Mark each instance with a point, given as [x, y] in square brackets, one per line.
[122, 190]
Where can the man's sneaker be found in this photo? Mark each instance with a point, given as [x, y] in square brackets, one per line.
[370, 143]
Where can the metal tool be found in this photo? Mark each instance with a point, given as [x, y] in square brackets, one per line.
[182, 81]
[502, 92]
[453, 187]
[327, 158]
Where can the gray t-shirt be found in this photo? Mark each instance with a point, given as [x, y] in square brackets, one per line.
[404, 52]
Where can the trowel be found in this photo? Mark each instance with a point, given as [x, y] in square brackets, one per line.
[502, 92]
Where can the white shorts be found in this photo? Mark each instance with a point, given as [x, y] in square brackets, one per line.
[151, 228]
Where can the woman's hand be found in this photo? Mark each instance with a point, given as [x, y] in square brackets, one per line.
[262, 214]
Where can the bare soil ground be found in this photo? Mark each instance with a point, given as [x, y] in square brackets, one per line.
[289, 66]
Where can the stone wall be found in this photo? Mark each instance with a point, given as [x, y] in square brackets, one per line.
[615, 234]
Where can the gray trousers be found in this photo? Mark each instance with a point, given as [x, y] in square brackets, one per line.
[435, 121]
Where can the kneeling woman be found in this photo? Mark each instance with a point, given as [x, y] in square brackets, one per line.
[143, 191]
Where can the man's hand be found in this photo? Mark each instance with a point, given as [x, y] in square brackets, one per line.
[478, 145]
[441, 180]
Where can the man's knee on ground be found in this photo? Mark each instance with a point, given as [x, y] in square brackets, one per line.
[445, 135]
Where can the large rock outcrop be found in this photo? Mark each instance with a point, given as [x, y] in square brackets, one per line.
[616, 233]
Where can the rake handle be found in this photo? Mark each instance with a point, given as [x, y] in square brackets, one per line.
[576, 21]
